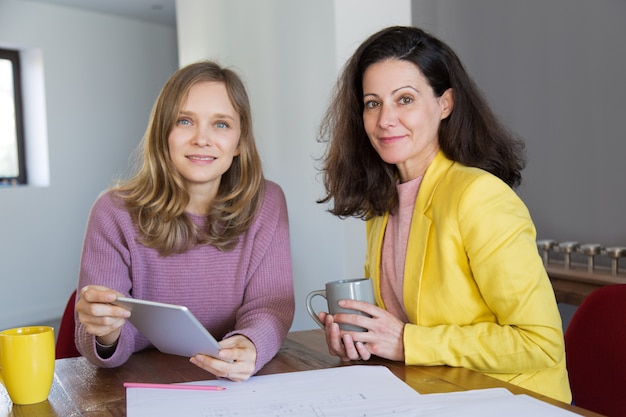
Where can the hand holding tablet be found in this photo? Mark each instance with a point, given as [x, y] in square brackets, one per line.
[170, 328]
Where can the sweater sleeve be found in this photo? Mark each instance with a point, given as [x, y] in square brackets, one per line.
[519, 330]
[105, 261]
[268, 302]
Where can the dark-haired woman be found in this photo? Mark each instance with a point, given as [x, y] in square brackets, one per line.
[414, 149]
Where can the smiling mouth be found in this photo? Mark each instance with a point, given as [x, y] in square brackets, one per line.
[201, 158]
[390, 139]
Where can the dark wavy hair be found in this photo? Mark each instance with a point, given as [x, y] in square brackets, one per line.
[357, 180]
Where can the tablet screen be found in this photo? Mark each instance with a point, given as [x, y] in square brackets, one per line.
[170, 328]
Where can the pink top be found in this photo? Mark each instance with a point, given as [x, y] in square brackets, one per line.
[247, 291]
[394, 249]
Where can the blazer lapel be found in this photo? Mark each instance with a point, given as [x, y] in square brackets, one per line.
[421, 225]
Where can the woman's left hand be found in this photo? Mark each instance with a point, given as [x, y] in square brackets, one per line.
[384, 336]
[241, 353]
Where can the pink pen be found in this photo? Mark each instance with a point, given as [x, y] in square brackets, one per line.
[174, 386]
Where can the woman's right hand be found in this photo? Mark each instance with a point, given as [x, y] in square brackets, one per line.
[384, 336]
[101, 318]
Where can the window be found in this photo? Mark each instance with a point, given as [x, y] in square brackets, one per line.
[12, 153]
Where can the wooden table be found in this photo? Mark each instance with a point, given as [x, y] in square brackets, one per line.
[81, 389]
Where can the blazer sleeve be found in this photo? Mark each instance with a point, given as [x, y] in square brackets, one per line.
[515, 326]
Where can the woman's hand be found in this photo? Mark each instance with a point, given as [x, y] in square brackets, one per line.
[101, 318]
[383, 338]
[241, 353]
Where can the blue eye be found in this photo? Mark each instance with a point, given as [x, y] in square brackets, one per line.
[184, 122]
[221, 125]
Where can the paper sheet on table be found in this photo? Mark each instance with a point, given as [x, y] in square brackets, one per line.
[491, 402]
[362, 391]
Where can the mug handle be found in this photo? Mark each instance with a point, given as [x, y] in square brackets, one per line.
[309, 307]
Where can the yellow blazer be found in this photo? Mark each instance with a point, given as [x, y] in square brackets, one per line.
[475, 289]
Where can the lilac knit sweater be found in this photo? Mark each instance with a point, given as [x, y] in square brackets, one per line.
[247, 291]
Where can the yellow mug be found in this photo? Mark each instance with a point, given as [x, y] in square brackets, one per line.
[27, 363]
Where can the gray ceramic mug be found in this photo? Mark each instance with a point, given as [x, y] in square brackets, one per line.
[345, 289]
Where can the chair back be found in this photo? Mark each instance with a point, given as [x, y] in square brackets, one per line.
[595, 345]
[66, 346]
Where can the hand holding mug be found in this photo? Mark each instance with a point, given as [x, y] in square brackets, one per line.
[345, 289]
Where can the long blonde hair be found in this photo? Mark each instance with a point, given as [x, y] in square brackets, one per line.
[156, 196]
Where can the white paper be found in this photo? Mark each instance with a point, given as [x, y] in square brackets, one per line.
[359, 391]
[308, 393]
[495, 406]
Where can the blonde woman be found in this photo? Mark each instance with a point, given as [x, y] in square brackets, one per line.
[197, 225]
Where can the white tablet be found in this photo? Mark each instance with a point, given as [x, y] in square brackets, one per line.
[170, 328]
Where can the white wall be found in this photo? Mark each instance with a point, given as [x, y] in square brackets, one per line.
[554, 71]
[101, 74]
[289, 53]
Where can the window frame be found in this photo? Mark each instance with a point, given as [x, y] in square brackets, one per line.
[14, 57]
